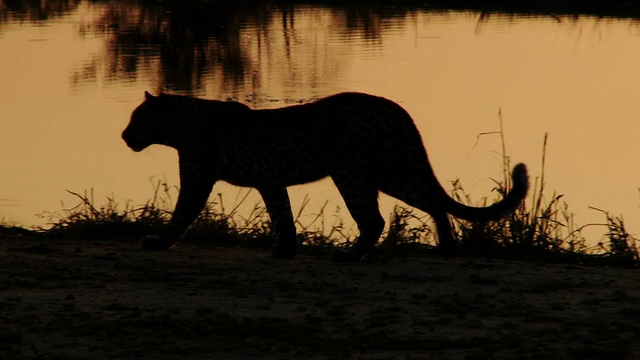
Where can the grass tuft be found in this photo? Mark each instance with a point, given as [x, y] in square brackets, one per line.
[86, 219]
[621, 248]
[544, 229]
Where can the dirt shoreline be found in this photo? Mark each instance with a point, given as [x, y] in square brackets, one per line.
[67, 299]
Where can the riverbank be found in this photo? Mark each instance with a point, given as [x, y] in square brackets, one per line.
[106, 299]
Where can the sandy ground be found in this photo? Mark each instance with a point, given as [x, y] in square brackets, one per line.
[109, 300]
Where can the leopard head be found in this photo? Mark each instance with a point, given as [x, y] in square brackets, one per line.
[148, 125]
[176, 120]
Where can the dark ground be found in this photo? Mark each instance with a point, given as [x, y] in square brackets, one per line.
[109, 300]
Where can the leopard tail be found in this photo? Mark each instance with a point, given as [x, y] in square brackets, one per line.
[493, 212]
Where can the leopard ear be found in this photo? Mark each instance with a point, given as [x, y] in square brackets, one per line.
[148, 96]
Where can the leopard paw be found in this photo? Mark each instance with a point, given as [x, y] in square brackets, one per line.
[346, 256]
[156, 243]
[281, 251]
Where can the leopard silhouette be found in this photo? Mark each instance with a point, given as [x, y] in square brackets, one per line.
[364, 143]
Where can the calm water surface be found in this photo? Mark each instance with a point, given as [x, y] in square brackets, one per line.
[72, 74]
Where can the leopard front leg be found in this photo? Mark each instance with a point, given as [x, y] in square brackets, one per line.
[195, 188]
[279, 209]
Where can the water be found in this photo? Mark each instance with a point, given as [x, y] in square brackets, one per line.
[72, 74]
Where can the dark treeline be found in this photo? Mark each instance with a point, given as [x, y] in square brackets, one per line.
[599, 8]
[188, 38]
[36, 10]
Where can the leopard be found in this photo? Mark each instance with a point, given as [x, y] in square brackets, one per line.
[365, 144]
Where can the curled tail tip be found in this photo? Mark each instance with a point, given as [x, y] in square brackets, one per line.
[520, 176]
[520, 170]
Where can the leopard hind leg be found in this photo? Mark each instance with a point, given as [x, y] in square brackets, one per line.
[414, 193]
[362, 203]
[447, 244]
[282, 225]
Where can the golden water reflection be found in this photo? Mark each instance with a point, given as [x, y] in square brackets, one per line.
[72, 76]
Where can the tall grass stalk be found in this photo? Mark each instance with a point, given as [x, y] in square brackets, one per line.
[545, 226]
